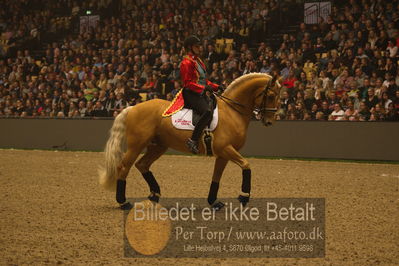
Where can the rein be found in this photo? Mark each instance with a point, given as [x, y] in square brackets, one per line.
[232, 103]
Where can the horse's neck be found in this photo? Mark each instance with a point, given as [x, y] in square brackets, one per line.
[244, 96]
[245, 93]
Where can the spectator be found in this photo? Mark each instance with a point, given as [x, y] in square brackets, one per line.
[325, 110]
[99, 110]
[377, 113]
[300, 111]
[285, 100]
[82, 109]
[351, 113]
[120, 103]
[391, 113]
[73, 108]
[337, 114]
[371, 100]
[364, 114]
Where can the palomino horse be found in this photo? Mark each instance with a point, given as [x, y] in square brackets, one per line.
[142, 127]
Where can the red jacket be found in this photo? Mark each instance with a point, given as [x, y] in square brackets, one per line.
[190, 74]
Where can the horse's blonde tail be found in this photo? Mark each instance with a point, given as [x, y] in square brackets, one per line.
[114, 150]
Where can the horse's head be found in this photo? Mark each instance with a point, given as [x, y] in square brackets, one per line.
[267, 100]
[257, 92]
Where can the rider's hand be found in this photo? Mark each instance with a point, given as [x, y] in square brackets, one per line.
[221, 88]
[206, 90]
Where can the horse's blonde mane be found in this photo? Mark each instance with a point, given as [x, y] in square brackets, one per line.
[244, 78]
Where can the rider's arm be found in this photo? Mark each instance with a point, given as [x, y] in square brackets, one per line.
[214, 86]
[189, 76]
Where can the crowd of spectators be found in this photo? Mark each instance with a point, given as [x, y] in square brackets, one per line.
[344, 68]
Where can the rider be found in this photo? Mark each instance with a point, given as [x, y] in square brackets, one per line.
[195, 86]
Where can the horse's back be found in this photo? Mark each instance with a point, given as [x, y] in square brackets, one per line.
[146, 115]
[150, 107]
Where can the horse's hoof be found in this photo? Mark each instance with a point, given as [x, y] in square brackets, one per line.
[243, 200]
[218, 206]
[126, 206]
[154, 197]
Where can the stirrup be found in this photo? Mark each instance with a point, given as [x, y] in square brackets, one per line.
[192, 146]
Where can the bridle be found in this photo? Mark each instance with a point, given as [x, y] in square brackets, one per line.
[261, 109]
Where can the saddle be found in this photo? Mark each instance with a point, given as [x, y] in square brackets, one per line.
[186, 119]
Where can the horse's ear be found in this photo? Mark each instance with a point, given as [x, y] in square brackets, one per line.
[273, 81]
[279, 82]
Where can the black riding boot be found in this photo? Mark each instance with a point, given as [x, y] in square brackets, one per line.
[192, 143]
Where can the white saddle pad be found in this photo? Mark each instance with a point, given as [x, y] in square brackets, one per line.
[184, 119]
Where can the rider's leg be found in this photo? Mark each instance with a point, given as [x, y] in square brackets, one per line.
[202, 123]
[206, 116]
[200, 105]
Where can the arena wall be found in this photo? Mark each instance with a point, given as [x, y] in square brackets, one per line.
[333, 140]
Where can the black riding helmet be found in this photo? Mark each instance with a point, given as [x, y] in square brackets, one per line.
[190, 41]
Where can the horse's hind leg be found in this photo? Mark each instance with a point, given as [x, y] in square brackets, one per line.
[220, 165]
[128, 159]
[233, 155]
[154, 151]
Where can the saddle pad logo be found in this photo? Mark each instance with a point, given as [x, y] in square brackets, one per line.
[182, 122]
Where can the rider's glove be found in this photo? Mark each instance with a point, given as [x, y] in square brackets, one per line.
[221, 88]
[206, 89]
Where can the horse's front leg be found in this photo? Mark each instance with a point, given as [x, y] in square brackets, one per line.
[220, 165]
[234, 156]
